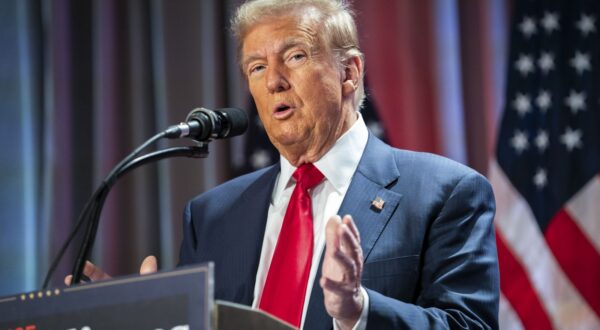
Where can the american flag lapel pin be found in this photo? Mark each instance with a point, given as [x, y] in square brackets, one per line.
[378, 203]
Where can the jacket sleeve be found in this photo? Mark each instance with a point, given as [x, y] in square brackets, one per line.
[459, 283]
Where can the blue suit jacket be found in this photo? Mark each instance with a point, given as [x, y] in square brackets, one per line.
[430, 252]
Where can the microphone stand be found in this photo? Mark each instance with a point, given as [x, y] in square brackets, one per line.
[93, 207]
[94, 220]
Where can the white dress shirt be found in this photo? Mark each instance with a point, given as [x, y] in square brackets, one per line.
[338, 166]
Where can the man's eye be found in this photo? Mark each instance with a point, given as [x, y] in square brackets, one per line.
[297, 57]
[256, 69]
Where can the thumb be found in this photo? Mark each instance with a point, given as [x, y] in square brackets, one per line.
[149, 265]
[331, 237]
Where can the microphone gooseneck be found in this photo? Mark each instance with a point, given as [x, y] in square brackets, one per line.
[201, 125]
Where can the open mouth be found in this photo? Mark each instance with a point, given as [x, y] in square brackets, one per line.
[282, 108]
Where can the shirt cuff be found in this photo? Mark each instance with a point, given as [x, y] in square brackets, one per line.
[361, 324]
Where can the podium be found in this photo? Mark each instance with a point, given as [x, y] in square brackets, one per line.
[181, 299]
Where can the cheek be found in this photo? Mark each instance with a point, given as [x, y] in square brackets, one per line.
[328, 99]
[322, 87]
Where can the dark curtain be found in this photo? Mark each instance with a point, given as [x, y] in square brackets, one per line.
[92, 80]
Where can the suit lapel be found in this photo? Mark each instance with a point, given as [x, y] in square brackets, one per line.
[369, 219]
[376, 171]
[248, 234]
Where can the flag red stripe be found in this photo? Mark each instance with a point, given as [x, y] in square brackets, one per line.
[577, 257]
[518, 290]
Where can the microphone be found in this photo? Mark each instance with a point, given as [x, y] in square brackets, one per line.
[203, 124]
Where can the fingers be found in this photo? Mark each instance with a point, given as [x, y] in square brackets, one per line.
[91, 272]
[94, 272]
[342, 235]
[149, 265]
[349, 237]
[343, 249]
[350, 223]
[342, 271]
[348, 267]
[68, 280]
[332, 242]
[341, 288]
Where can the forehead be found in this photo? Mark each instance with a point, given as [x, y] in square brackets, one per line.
[275, 33]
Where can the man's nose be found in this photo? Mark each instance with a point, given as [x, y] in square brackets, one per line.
[276, 80]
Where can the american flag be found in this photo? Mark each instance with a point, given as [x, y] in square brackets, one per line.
[545, 175]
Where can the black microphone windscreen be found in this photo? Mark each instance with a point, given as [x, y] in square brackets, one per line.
[238, 120]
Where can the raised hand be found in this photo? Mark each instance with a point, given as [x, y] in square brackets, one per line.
[342, 271]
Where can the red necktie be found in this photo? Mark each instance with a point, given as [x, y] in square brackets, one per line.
[285, 287]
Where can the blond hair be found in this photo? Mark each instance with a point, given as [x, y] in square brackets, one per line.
[336, 20]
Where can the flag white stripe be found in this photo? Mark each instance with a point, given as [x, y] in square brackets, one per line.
[507, 317]
[564, 305]
[584, 208]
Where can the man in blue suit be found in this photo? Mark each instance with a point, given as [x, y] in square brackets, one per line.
[415, 247]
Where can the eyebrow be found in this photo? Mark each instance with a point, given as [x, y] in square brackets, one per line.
[285, 45]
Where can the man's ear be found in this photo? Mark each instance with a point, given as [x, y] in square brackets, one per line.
[353, 70]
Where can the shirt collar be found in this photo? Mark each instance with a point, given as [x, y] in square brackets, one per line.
[337, 165]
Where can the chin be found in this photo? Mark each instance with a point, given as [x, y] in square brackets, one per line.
[289, 137]
[287, 142]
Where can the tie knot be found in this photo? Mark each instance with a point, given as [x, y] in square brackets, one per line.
[308, 176]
